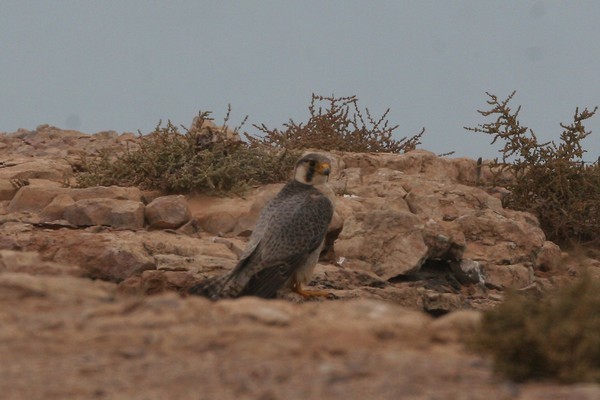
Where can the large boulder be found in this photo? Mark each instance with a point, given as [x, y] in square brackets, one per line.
[402, 210]
[388, 243]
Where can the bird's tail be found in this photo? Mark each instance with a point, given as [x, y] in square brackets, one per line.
[210, 287]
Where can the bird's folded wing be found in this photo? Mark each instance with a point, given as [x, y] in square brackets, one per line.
[266, 282]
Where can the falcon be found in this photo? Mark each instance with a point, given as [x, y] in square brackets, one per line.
[284, 247]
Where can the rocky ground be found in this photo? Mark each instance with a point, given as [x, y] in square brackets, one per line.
[91, 282]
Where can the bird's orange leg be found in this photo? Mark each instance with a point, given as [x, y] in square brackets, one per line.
[307, 294]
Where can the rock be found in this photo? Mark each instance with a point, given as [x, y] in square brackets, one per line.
[191, 228]
[553, 391]
[515, 276]
[34, 198]
[419, 162]
[112, 256]
[62, 289]
[383, 320]
[123, 214]
[104, 256]
[167, 212]
[257, 310]
[415, 240]
[446, 202]
[549, 257]
[7, 189]
[456, 326]
[438, 304]
[218, 216]
[468, 271]
[158, 242]
[30, 262]
[55, 210]
[501, 236]
[231, 216]
[107, 192]
[177, 272]
[56, 170]
[388, 243]
[328, 276]
[153, 281]
[343, 349]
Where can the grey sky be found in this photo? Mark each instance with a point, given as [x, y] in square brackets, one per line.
[123, 65]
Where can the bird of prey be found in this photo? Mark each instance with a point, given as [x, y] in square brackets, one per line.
[284, 247]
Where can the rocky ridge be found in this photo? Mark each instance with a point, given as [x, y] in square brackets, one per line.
[414, 237]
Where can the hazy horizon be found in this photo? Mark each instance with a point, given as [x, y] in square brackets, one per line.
[123, 66]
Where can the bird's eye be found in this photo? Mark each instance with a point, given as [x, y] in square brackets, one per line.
[312, 163]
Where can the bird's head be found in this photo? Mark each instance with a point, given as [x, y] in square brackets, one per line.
[312, 169]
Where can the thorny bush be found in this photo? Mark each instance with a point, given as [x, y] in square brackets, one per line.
[203, 159]
[548, 179]
[337, 123]
[210, 159]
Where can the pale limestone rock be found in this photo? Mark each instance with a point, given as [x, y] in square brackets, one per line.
[501, 236]
[443, 201]
[388, 243]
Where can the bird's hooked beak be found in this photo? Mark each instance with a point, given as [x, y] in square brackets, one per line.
[324, 168]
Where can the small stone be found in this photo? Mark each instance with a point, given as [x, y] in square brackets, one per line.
[167, 212]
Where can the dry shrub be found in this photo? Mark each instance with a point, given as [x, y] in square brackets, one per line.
[556, 337]
[337, 123]
[548, 179]
[195, 161]
[206, 159]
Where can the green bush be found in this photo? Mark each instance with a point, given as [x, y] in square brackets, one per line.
[556, 337]
[339, 126]
[195, 161]
[548, 179]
